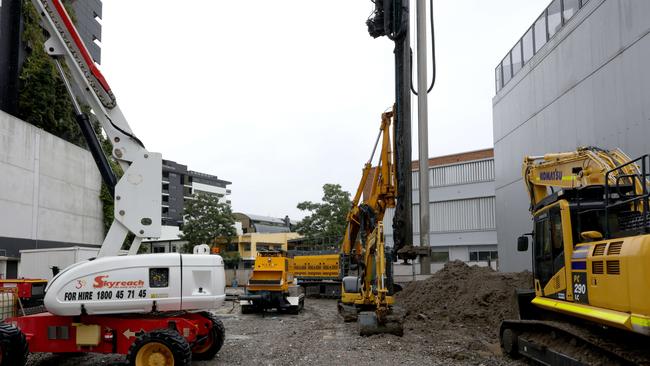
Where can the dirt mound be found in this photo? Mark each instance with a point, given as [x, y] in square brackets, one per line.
[467, 297]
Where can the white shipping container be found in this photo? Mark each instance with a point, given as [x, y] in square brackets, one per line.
[38, 263]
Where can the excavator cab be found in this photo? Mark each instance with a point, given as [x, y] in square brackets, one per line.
[590, 250]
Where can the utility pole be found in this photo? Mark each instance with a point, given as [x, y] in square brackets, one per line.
[423, 134]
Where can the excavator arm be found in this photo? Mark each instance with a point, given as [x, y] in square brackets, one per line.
[587, 166]
[138, 193]
[363, 217]
[366, 296]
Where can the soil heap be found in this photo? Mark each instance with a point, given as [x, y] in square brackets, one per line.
[462, 296]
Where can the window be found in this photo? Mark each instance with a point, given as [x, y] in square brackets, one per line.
[554, 17]
[158, 277]
[483, 256]
[497, 77]
[158, 249]
[528, 45]
[517, 61]
[570, 8]
[540, 32]
[507, 69]
[247, 247]
[439, 257]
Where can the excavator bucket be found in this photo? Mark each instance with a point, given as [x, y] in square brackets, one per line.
[370, 325]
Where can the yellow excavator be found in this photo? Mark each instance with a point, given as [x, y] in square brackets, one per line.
[591, 259]
[368, 296]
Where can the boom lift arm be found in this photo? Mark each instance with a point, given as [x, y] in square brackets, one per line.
[138, 193]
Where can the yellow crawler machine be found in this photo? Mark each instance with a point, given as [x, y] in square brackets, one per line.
[367, 297]
[271, 285]
[590, 254]
[318, 274]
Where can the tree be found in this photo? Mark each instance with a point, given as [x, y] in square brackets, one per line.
[327, 219]
[206, 219]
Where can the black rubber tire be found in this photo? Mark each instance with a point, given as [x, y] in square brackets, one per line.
[170, 338]
[13, 346]
[218, 336]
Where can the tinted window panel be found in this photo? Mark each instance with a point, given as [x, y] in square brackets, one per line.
[554, 18]
[497, 77]
[516, 58]
[540, 32]
[158, 277]
[507, 71]
[570, 8]
[528, 46]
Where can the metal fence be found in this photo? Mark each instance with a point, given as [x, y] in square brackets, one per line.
[8, 302]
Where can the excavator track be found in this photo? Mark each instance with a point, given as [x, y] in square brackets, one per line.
[571, 343]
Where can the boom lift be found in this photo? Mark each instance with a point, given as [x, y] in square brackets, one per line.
[590, 253]
[148, 307]
[367, 297]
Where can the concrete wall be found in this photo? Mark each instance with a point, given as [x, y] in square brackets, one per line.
[49, 190]
[589, 85]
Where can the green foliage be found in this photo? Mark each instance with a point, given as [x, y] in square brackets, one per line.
[207, 219]
[231, 259]
[327, 219]
[42, 97]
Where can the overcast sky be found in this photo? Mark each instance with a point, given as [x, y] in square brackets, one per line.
[280, 97]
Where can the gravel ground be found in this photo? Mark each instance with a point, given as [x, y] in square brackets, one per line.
[318, 336]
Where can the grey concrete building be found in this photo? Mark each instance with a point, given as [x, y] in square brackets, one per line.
[179, 184]
[86, 14]
[577, 77]
[49, 193]
[462, 209]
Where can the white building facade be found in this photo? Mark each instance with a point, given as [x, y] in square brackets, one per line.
[462, 222]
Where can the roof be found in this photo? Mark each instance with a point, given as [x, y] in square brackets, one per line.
[456, 158]
[261, 218]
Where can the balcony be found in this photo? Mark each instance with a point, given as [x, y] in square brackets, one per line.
[549, 23]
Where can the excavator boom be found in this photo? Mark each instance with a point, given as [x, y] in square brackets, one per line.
[367, 296]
